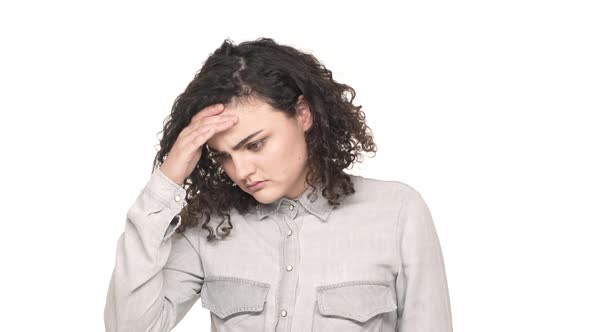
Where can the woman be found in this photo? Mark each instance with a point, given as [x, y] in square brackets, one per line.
[249, 209]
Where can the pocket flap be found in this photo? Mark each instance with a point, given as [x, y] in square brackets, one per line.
[224, 296]
[357, 300]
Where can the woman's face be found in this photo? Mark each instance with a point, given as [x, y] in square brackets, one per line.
[276, 151]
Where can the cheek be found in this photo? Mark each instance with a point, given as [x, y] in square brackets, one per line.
[290, 159]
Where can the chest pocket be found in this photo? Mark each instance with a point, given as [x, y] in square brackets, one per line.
[235, 302]
[353, 306]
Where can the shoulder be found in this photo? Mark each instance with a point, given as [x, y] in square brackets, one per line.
[382, 190]
[377, 199]
[394, 198]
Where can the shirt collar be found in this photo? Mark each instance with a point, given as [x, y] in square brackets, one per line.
[317, 204]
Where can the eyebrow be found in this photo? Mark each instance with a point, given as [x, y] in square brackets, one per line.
[239, 145]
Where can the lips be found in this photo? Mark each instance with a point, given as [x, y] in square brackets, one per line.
[254, 183]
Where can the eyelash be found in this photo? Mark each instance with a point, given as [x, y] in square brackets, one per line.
[222, 157]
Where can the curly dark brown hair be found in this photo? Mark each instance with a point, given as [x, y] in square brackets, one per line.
[277, 74]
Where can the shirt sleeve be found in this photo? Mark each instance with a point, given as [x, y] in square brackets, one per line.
[421, 284]
[158, 273]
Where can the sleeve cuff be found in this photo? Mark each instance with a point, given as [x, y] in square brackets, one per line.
[166, 191]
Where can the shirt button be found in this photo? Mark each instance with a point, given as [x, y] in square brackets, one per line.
[291, 207]
[289, 233]
[289, 267]
[177, 198]
[284, 313]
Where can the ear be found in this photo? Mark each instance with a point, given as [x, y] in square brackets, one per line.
[304, 116]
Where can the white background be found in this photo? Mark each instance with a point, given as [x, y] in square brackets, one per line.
[482, 106]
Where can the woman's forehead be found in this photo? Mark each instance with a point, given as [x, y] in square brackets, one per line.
[252, 123]
[254, 115]
[241, 141]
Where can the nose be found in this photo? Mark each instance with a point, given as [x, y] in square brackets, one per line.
[243, 168]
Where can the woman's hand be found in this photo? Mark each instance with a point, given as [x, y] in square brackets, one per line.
[186, 151]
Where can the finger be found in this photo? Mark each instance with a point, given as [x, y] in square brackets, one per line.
[207, 111]
[198, 137]
[196, 141]
[207, 122]
[202, 135]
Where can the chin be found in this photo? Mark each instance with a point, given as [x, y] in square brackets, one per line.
[264, 196]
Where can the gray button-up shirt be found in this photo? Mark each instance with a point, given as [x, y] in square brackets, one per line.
[374, 263]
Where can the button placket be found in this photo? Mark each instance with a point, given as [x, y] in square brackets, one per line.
[290, 208]
[290, 257]
[290, 213]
